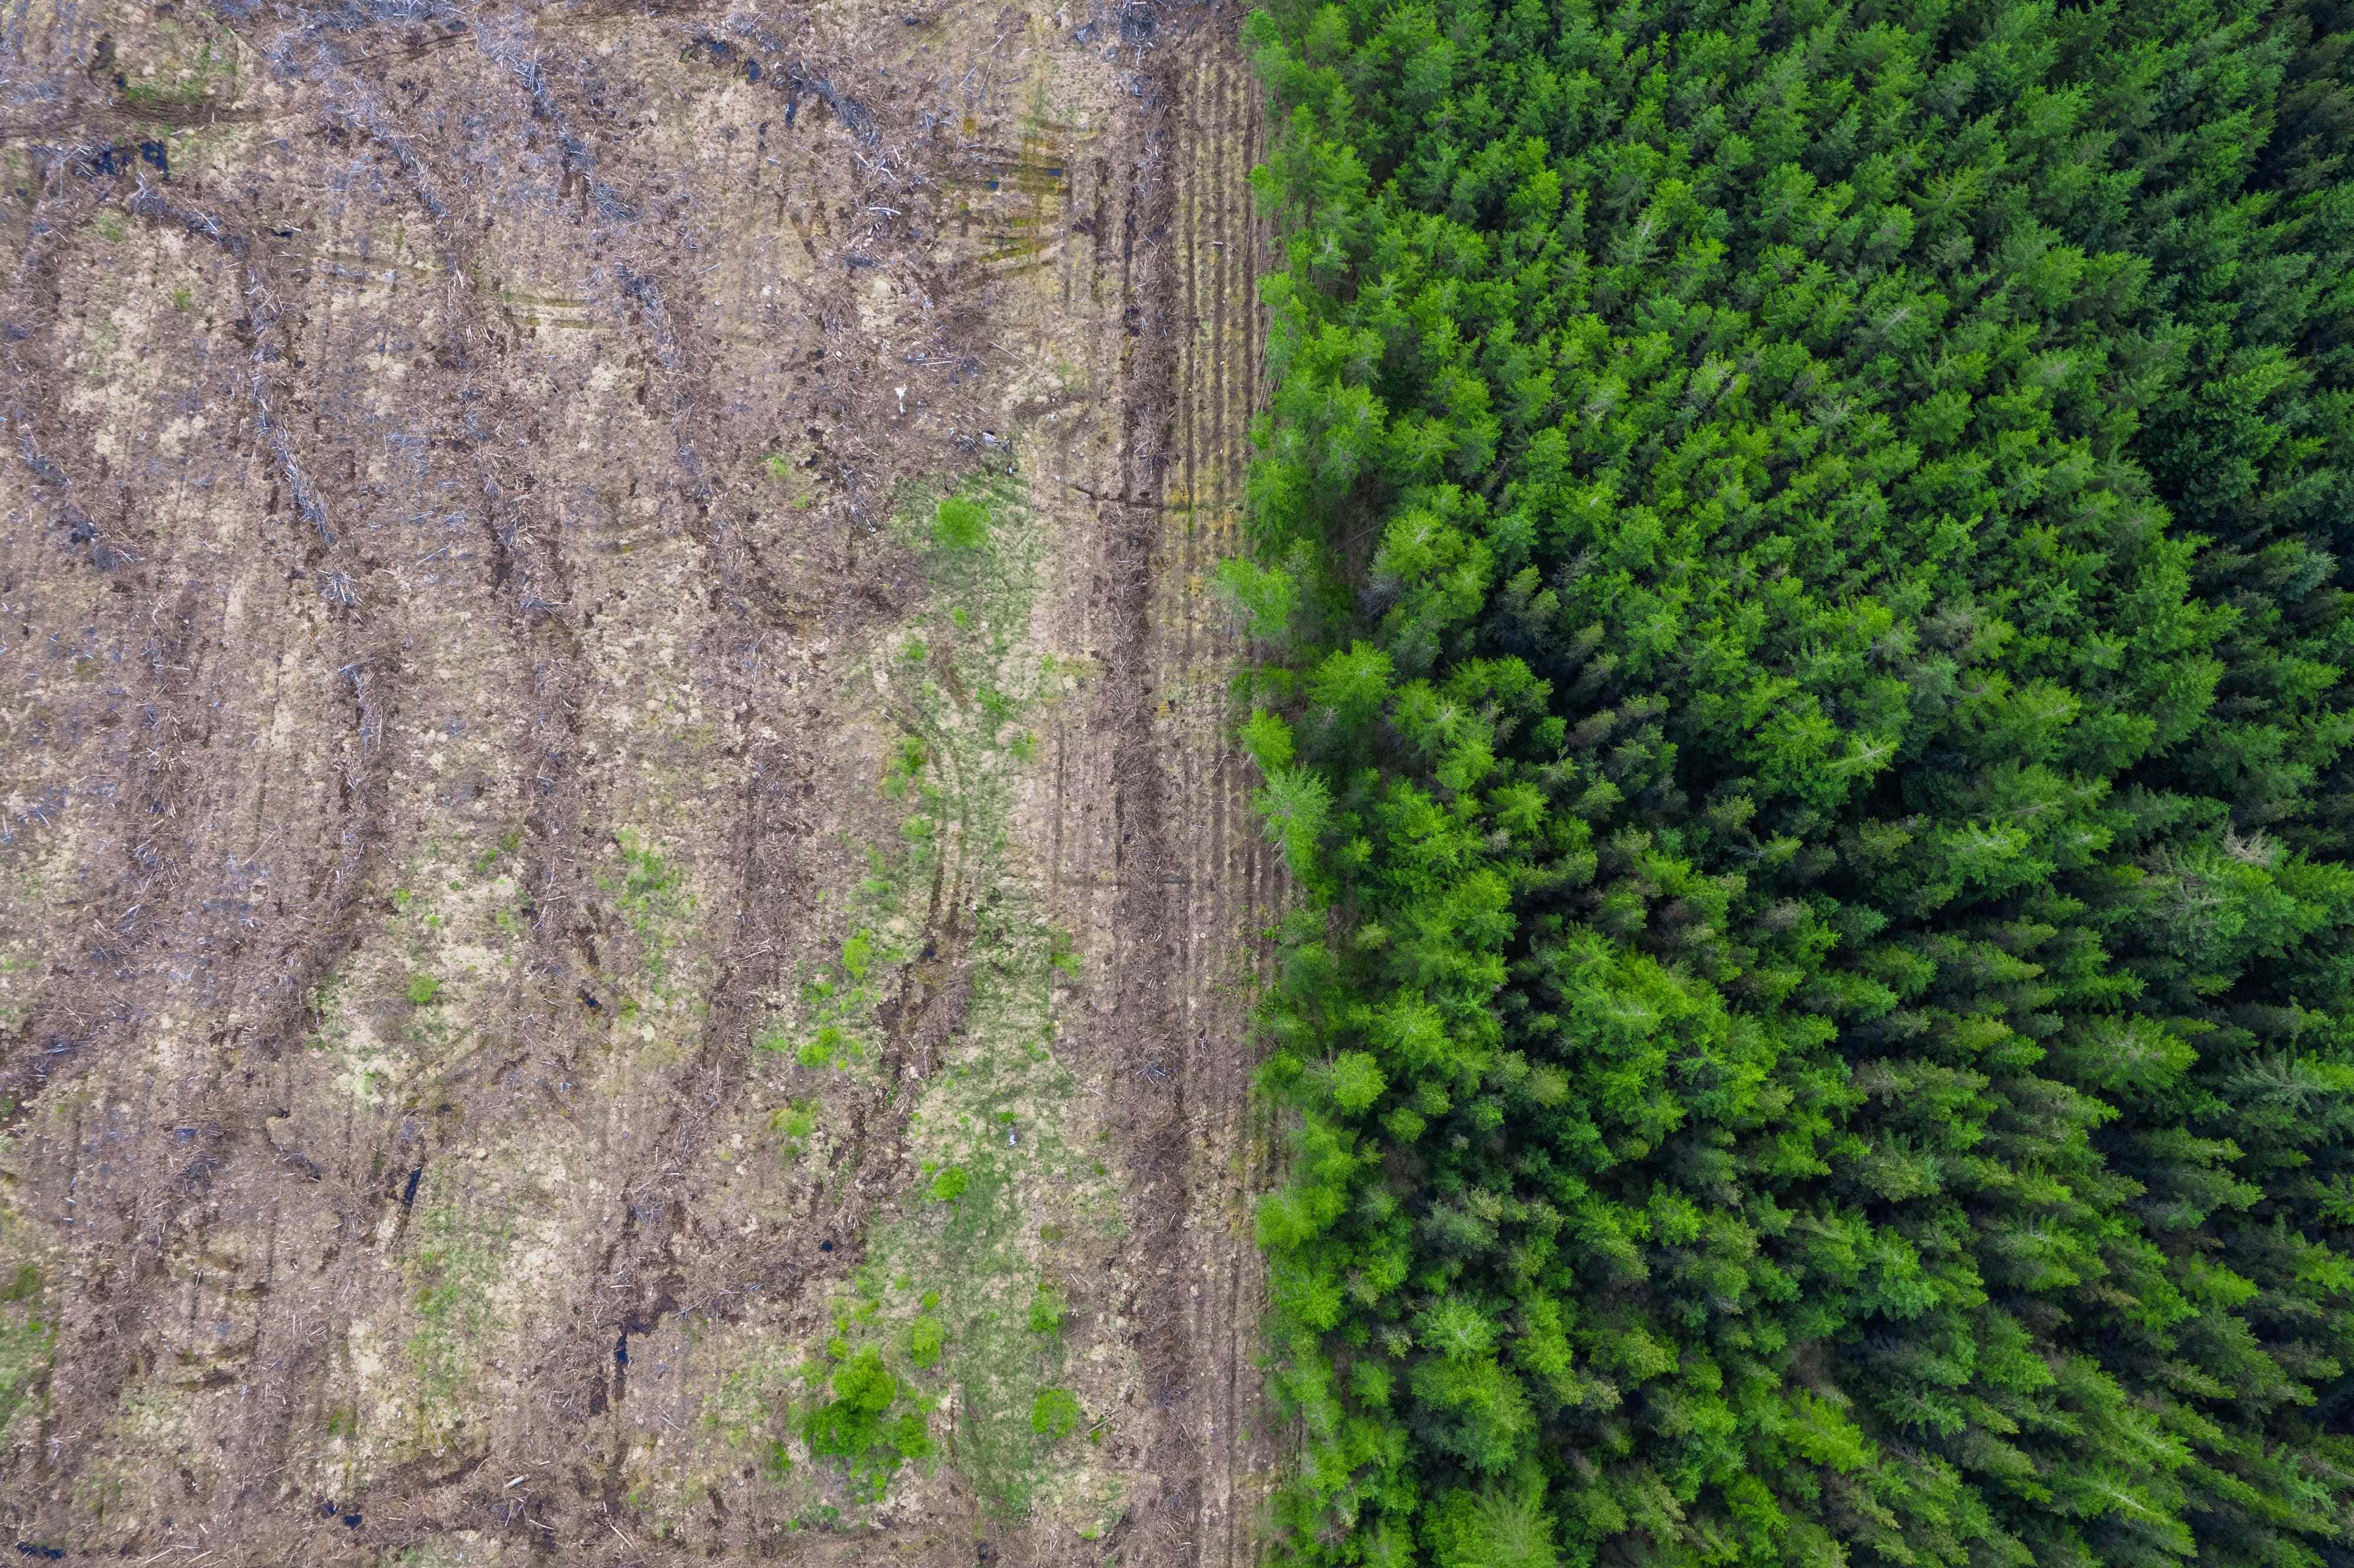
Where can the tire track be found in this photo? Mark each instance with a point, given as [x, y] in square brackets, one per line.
[1147, 841]
[1227, 891]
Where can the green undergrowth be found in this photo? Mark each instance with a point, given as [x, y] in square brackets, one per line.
[650, 896]
[421, 1000]
[939, 1004]
[868, 1421]
[190, 63]
[27, 1330]
[452, 1269]
[423, 1371]
[147, 1427]
[400, 1015]
[19, 971]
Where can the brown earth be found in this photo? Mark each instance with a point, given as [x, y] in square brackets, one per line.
[468, 610]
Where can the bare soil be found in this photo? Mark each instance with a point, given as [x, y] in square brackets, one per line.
[460, 541]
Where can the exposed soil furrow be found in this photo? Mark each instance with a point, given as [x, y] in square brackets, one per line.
[1226, 903]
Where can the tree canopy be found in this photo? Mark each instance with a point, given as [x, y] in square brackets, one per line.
[1797, 550]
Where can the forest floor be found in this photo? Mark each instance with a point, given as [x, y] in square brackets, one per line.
[542, 913]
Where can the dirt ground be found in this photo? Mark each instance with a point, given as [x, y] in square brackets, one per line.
[549, 913]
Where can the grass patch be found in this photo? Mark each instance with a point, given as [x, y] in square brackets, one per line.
[652, 896]
[27, 1338]
[192, 68]
[453, 1273]
[794, 1123]
[487, 863]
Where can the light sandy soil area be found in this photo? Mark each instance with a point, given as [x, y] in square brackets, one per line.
[589, 974]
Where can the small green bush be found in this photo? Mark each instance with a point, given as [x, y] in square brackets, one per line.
[903, 766]
[796, 1119]
[925, 1338]
[858, 956]
[960, 525]
[821, 1049]
[423, 988]
[1055, 1412]
[852, 1427]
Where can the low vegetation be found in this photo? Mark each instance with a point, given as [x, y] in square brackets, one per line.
[937, 1009]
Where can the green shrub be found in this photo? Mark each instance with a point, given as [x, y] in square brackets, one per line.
[1053, 1413]
[925, 1338]
[960, 525]
[824, 1048]
[855, 1425]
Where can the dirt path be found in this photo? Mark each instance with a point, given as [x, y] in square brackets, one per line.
[452, 458]
[1153, 837]
[1232, 880]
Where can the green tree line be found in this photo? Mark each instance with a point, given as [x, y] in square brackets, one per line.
[1796, 554]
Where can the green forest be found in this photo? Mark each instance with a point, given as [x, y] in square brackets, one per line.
[1800, 670]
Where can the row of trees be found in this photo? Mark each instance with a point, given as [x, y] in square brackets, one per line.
[1798, 547]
